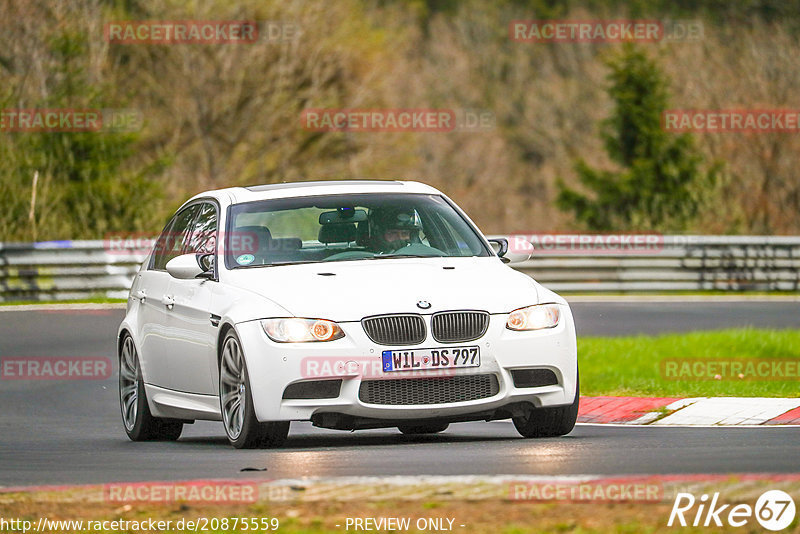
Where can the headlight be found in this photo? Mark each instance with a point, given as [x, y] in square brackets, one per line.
[534, 317]
[294, 330]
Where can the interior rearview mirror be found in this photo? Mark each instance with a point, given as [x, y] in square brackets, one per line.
[342, 215]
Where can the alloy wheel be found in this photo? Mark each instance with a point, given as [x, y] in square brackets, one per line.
[129, 383]
[233, 389]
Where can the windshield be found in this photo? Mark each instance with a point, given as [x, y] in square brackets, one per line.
[347, 227]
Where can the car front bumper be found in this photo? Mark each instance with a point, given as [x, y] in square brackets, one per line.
[355, 358]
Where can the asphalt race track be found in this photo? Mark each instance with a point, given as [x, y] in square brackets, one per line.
[54, 432]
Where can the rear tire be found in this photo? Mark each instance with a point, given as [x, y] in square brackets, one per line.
[549, 422]
[416, 430]
[139, 423]
[243, 429]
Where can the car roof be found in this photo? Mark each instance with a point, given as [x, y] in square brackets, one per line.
[236, 195]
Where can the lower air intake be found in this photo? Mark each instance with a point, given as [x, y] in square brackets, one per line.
[440, 390]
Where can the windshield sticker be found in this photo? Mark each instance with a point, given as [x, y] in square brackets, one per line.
[245, 259]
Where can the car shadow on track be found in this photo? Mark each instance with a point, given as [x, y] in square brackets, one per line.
[318, 439]
[350, 440]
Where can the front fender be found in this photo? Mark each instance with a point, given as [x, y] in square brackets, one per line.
[234, 305]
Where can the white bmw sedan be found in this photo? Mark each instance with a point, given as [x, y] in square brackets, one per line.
[353, 305]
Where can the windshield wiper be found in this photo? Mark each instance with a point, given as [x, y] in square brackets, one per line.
[395, 256]
[280, 263]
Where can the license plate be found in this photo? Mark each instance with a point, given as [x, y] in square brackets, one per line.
[422, 359]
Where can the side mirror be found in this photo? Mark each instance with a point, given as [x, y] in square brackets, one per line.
[521, 250]
[500, 247]
[188, 266]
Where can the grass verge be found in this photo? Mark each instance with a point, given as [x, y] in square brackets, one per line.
[491, 506]
[664, 366]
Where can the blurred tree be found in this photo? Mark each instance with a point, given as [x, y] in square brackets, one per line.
[661, 183]
[230, 115]
[85, 187]
[97, 193]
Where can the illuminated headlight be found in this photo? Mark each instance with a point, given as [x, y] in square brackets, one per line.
[294, 330]
[534, 317]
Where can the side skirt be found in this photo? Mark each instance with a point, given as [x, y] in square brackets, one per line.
[179, 405]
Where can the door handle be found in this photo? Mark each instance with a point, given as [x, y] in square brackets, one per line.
[168, 301]
[141, 294]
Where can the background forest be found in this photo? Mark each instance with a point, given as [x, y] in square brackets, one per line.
[574, 143]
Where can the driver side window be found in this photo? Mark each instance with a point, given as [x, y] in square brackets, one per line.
[172, 240]
[203, 237]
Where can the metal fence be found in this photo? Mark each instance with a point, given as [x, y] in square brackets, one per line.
[669, 263]
[64, 270]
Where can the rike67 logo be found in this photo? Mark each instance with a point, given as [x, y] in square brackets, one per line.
[774, 510]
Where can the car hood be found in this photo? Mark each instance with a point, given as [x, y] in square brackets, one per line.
[350, 290]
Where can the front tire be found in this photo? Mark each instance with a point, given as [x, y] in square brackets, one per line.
[549, 422]
[139, 423]
[243, 429]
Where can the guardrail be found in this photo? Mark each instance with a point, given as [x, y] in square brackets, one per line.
[667, 263]
[64, 270]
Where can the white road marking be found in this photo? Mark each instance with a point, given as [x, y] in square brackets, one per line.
[728, 411]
